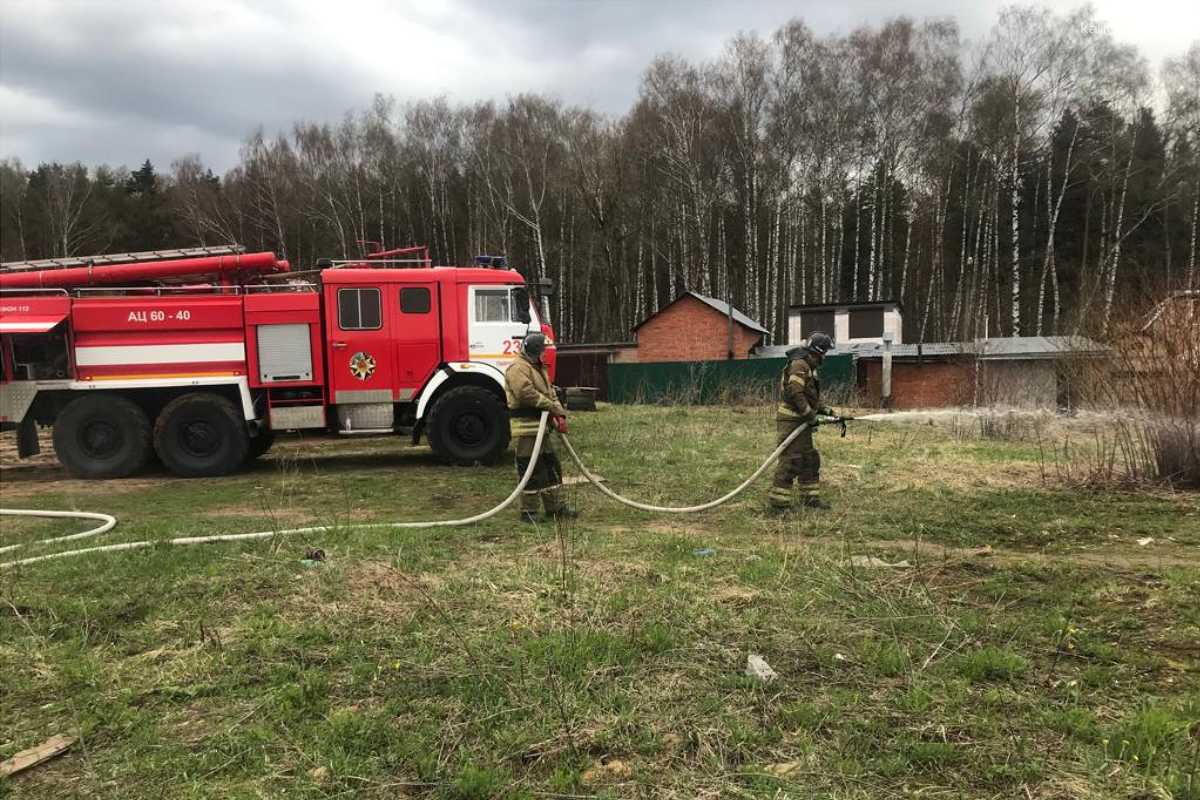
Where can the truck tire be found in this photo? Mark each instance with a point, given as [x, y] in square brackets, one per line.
[259, 445]
[102, 436]
[201, 435]
[468, 425]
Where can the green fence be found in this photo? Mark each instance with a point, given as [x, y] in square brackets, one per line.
[707, 382]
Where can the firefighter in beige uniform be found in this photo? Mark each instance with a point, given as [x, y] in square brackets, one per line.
[530, 392]
[799, 404]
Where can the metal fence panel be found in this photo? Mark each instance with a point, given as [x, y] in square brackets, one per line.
[708, 382]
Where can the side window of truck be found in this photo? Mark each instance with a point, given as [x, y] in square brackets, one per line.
[415, 300]
[359, 310]
[491, 305]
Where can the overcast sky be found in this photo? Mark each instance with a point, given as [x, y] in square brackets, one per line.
[118, 82]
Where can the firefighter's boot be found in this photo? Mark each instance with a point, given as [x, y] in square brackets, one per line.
[812, 499]
[779, 500]
[529, 506]
[556, 507]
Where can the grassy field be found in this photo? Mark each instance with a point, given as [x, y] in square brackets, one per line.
[1032, 648]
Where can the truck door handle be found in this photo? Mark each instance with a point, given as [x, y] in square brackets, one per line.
[339, 345]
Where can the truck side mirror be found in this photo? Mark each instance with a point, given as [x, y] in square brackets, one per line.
[520, 305]
[545, 287]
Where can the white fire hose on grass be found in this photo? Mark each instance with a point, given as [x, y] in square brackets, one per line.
[108, 521]
[599, 484]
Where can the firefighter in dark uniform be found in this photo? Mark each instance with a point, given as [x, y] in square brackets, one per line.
[800, 403]
[527, 384]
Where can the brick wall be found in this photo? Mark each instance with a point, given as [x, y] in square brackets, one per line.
[929, 384]
[690, 330]
[1031, 383]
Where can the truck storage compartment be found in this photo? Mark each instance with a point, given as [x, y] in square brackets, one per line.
[284, 353]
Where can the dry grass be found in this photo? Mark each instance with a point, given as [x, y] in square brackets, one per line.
[605, 658]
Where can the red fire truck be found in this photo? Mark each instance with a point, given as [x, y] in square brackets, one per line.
[125, 359]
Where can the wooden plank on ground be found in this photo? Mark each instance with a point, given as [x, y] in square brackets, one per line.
[54, 746]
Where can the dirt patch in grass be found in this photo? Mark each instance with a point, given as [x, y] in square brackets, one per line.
[735, 595]
[41, 479]
[368, 590]
[378, 578]
[916, 552]
[617, 572]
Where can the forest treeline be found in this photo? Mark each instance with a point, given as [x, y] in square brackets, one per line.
[1017, 185]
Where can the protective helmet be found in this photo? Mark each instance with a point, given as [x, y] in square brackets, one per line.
[819, 343]
[534, 345]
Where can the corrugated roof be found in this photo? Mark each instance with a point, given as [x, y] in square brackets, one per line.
[992, 348]
[712, 302]
[872, 350]
[1034, 346]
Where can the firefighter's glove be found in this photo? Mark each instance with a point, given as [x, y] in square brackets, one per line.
[560, 424]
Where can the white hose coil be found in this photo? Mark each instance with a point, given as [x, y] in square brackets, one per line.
[685, 509]
[110, 521]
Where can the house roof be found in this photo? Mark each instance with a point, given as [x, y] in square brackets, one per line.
[872, 350]
[719, 305]
[848, 306]
[995, 348]
[577, 347]
[1035, 346]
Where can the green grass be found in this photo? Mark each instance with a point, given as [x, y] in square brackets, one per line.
[606, 658]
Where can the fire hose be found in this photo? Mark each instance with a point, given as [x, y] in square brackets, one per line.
[599, 484]
[108, 521]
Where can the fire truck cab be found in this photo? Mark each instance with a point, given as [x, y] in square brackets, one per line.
[125, 362]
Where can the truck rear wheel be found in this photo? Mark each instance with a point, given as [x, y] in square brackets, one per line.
[468, 425]
[102, 436]
[201, 435]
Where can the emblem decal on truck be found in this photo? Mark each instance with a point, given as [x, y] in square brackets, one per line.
[362, 365]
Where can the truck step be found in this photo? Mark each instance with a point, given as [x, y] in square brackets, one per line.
[365, 431]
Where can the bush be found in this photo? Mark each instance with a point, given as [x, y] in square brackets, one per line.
[1174, 451]
[1150, 385]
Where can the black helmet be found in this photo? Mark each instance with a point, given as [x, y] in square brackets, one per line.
[819, 343]
[534, 345]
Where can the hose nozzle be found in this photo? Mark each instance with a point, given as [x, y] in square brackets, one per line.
[839, 421]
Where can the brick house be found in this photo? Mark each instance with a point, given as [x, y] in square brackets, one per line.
[1021, 371]
[695, 327]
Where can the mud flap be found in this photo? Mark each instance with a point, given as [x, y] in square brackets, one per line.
[27, 438]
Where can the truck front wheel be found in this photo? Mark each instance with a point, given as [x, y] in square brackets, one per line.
[468, 425]
[102, 436]
[201, 435]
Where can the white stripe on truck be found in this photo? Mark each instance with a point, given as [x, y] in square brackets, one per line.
[159, 354]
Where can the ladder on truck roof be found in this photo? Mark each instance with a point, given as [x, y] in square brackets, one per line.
[110, 259]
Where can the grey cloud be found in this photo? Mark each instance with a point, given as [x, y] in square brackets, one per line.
[130, 79]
